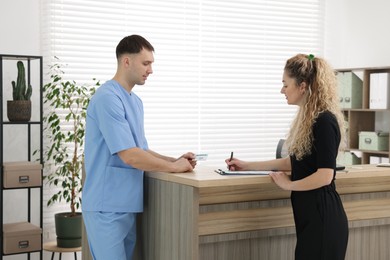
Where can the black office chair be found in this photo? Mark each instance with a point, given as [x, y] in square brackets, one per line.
[281, 150]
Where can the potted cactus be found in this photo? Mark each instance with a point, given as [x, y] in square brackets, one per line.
[19, 109]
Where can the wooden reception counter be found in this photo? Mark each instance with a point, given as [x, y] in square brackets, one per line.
[206, 216]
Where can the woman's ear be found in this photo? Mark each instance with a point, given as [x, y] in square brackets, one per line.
[302, 87]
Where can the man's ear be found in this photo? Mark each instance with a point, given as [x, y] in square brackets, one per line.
[126, 61]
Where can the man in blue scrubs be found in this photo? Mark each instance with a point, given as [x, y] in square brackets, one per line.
[117, 154]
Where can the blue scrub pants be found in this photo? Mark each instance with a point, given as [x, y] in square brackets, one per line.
[110, 235]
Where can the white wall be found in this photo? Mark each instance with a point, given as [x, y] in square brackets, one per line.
[355, 36]
[357, 33]
[19, 27]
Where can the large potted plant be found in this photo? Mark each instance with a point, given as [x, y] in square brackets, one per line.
[19, 109]
[64, 120]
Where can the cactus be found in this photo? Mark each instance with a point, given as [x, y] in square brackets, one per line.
[19, 88]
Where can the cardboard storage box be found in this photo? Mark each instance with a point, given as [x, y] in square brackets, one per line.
[376, 141]
[21, 237]
[350, 90]
[380, 90]
[22, 174]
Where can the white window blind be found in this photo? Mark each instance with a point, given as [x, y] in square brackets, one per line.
[218, 65]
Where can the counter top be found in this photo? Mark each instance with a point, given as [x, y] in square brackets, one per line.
[354, 179]
[205, 176]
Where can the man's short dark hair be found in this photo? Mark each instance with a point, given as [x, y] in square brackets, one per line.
[132, 44]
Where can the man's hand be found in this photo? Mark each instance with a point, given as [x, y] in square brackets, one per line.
[183, 165]
[190, 157]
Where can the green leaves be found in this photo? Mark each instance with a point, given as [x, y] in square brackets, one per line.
[64, 132]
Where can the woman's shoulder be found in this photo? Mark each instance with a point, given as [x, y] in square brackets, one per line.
[325, 119]
[326, 116]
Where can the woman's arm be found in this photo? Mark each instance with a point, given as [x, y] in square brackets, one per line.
[320, 178]
[282, 164]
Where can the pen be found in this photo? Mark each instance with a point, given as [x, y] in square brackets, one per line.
[231, 158]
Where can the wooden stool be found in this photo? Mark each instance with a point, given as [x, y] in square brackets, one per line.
[52, 247]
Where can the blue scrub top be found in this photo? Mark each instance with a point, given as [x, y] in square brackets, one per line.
[115, 122]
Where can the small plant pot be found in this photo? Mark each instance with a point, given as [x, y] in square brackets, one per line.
[19, 110]
[68, 229]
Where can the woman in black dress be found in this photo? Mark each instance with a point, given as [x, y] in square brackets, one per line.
[313, 143]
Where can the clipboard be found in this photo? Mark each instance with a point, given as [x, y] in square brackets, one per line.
[226, 172]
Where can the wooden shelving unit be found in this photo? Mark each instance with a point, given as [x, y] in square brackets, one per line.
[364, 118]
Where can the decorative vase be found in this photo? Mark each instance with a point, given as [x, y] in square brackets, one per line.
[19, 110]
[68, 229]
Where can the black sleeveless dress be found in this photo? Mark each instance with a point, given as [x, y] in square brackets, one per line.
[320, 220]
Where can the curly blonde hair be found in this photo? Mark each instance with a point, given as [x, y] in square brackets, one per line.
[321, 95]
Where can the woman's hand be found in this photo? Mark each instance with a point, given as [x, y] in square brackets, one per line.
[281, 179]
[236, 164]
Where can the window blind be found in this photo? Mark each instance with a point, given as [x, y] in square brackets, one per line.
[218, 65]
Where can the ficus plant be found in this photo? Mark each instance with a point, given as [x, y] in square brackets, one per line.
[64, 121]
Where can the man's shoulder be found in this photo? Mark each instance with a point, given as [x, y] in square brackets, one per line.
[105, 91]
[106, 88]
